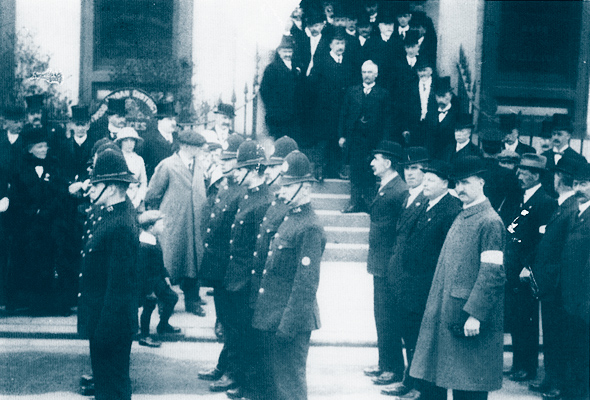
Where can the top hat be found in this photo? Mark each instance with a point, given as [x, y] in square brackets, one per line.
[111, 167]
[402, 8]
[562, 122]
[128, 133]
[250, 154]
[80, 115]
[546, 127]
[491, 134]
[233, 143]
[464, 121]
[415, 155]
[412, 38]
[165, 110]
[508, 122]
[391, 149]
[116, 107]
[191, 138]
[386, 16]
[32, 136]
[298, 169]
[442, 86]
[313, 16]
[14, 113]
[283, 147]
[467, 166]
[443, 169]
[34, 102]
[533, 162]
[363, 19]
[225, 109]
[582, 172]
[287, 42]
[508, 156]
[567, 165]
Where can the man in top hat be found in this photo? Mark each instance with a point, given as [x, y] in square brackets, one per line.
[11, 140]
[445, 117]
[405, 66]
[384, 211]
[462, 146]
[75, 151]
[34, 116]
[177, 189]
[286, 310]
[252, 206]
[575, 289]
[365, 30]
[224, 116]
[383, 48]
[159, 143]
[510, 126]
[115, 113]
[365, 120]
[305, 51]
[414, 257]
[279, 91]
[546, 268]
[107, 314]
[522, 308]
[460, 344]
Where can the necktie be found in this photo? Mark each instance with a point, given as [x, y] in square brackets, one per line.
[367, 90]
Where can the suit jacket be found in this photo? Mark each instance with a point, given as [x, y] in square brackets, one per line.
[384, 211]
[10, 155]
[523, 233]
[450, 155]
[547, 178]
[442, 134]
[417, 247]
[575, 267]
[547, 263]
[73, 158]
[411, 111]
[154, 149]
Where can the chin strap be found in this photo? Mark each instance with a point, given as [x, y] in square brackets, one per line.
[288, 202]
[100, 195]
[274, 180]
[244, 178]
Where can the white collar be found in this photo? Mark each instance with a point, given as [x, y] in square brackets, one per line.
[583, 207]
[476, 202]
[80, 140]
[12, 137]
[564, 196]
[167, 136]
[427, 82]
[401, 29]
[530, 192]
[385, 38]
[511, 147]
[434, 202]
[368, 86]
[336, 58]
[461, 146]
[288, 64]
[446, 109]
[560, 151]
[362, 39]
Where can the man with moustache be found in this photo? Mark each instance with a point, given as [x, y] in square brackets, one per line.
[384, 212]
[462, 146]
[443, 123]
[509, 125]
[224, 115]
[522, 308]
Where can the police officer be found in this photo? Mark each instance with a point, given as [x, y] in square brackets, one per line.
[286, 309]
[107, 307]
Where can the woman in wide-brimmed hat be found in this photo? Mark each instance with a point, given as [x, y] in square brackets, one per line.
[128, 139]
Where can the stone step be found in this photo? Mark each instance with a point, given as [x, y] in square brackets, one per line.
[346, 234]
[330, 201]
[334, 186]
[346, 252]
[336, 218]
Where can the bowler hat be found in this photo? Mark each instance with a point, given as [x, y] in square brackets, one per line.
[582, 172]
[412, 38]
[116, 107]
[339, 33]
[287, 42]
[297, 169]
[467, 166]
[391, 149]
[567, 165]
[442, 86]
[191, 138]
[233, 143]
[283, 147]
[128, 133]
[415, 155]
[250, 154]
[14, 113]
[508, 156]
[464, 121]
[225, 109]
[34, 102]
[508, 122]
[533, 162]
[562, 122]
[443, 169]
[422, 63]
[80, 115]
[33, 136]
[165, 110]
[111, 167]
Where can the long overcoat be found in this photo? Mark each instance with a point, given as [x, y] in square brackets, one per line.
[180, 195]
[469, 280]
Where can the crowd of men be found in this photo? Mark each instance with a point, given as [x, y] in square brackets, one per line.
[466, 240]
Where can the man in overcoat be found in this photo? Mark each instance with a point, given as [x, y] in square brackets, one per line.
[159, 140]
[460, 345]
[286, 309]
[107, 304]
[177, 189]
[385, 210]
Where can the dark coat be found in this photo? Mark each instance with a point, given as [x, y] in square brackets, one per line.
[502, 189]
[443, 132]
[468, 281]
[451, 155]
[154, 149]
[575, 268]
[547, 262]
[150, 267]
[251, 210]
[11, 155]
[410, 111]
[522, 148]
[416, 252]
[73, 158]
[287, 295]
[384, 211]
[107, 306]
[547, 178]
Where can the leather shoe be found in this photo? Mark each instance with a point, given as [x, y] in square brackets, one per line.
[223, 384]
[86, 380]
[87, 390]
[387, 378]
[540, 387]
[236, 393]
[553, 394]
[397, 389]
[149, 342]
[411, 395]
[210, 375]
[196, 310]
[521, 376]
[168, 330]
[352, 209]
[374, 370]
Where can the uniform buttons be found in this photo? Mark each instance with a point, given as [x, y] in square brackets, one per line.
[233, 225]
[217, 200]
[212, 215]
[259, 236]
[88, 231]
[208, 230]
[381, 194]
[268, 231]
[100, 218]
[91, 216]
[90, 250]
[231, 257]
[238, 210]
[79, 294]
[223, 210]
[81, 251]
[270, 253]
[246, 197]
[241, 222]
[264, 272]
[277, 235]
[280, 246]
[231, 241]
[261, 290]
[93, 222]
[264, 219]
[206, 244]
[274, 203]
[253, 271]
[80, 275]
[286, 218]
[255, 254]
[89, 236]
[83, 255]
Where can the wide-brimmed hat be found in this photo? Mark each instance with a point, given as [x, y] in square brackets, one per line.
[297, 169]
[165, 110]
[250, 154]
[34, 102]
[508, 156]
[464, 121]
[233, 143]
[467, 166]
[283, 146]
[567, 165]
[313, 16]
[116, 107]
[386, 16]
[111, 167]
[533, 162]
[442, 169]
[80, 115]
[128, 133]
[415, 155]
[191, 138]
[225, 109]
[391, 149]
[14, 113]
